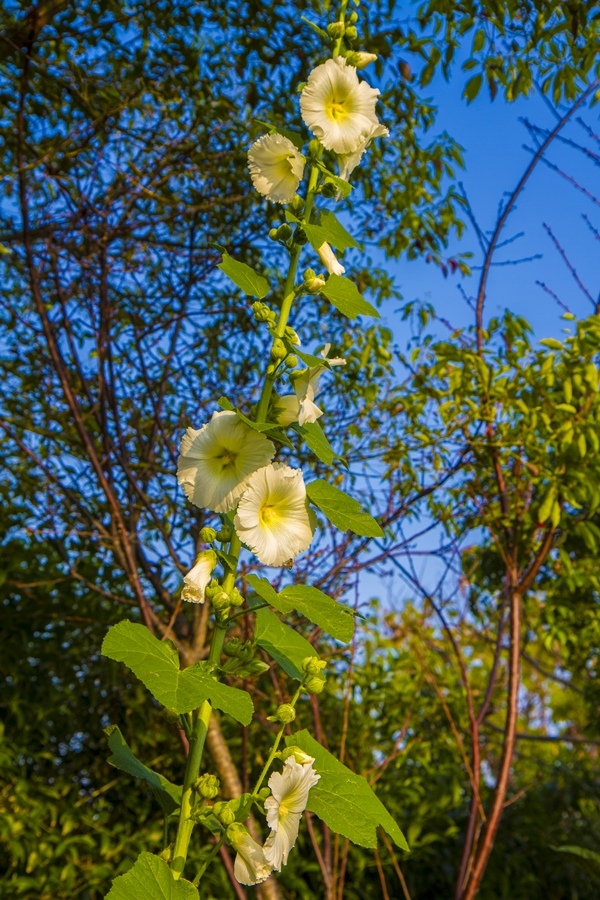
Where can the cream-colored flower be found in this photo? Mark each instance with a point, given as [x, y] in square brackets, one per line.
[349, 161]
[289, 796]
[196, 580]
[337, 107]
[251, 865]
[272, 516]
[300, 406]
[276, 167]
[329, 260]
[216, 460]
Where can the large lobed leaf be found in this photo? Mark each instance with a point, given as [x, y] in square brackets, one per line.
[344, 800]
[156, 664]
[346, 297]
[334, 618]
[342, 511]
[244, 277]
[150, 878]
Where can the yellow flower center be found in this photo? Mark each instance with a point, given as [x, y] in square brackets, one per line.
[336, 110]
[268, 515]
[227, 459]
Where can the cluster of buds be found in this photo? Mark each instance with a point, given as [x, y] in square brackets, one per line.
[281, 234]
[210, 535]
[264, 313]
[207, 786]
[222, 600]
[314, 680]
[241, 661]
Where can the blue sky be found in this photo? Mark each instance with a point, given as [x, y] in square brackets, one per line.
[494, 139]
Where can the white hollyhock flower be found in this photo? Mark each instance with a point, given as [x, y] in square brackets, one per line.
[337, 107]
[196, 580]
[276, 167]
[216, 460]
[336, 361]
[329, 260]
[284, 808]
[349, 161]
[251, 865]
[272, 516]
[300, 406]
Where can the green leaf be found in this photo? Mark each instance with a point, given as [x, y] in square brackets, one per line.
[338, 237]
[344, 800]
[472, 87]
[156, 664]
[310, 360]
[282, 643]
[345, 296]
[123, 758]
[273, 430]
[292, 136]
[582, 852]
[342, 511]
[150, 878]
[315, 438]
[246, 278]
[344, 188]
[334, 618]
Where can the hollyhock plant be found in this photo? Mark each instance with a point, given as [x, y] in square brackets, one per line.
[250, 866]
[197, 579]
[216, 460]
[289, 796]
[330, 260]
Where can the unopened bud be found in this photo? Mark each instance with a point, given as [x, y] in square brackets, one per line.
[257, 667]
[353, 17]
[207, 786]
[313, 282]
[278, 350]
[235, 598]
[291, 361]
[208, 535]
[314, 147]
[329, 189]
[351, 32]
[226, 816]
[261, 311]
[314, 684]
[300, 237]
[285, 714]
[284, 232]
[264, 793]
[299, 755]
[336, 30]
[297, 204]
[273, 234]
[360, 60]
[224, 535]
[291, 336]
[312, 665]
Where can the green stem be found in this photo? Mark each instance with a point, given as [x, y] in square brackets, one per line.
[275, 746]
[208, 861]
[337, 47]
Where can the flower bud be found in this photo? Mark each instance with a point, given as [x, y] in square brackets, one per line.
[278, 350]
[235, 598]
[256, 667]
[360, 60]
[291, 361]
[285, 714]
[313, 282]
[207, 535]
[273, 234]
[264, 793]
[300, 237]
[225, 815]
[297, 205]
[353, 17]
[284, 232]
[261, 311]
[314, 684]
[314, 147]
[207, 786]
[291, 336]
[224, 535]
[299, 755]
[329, 189]
[336, 30]
[312, 665]
[351, 32]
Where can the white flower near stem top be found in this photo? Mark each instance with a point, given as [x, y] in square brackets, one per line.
[300, 406]
[251, 865]
[216, 461]
[330, 260]
[276, 167]
[337, 107]
[349, 161]
[272, 517]
[196, 580]
[289, 796]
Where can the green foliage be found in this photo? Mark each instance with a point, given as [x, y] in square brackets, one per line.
[249, 281]
[167, 794]
[333, 617]
[342, 511]
[156, 664]
[282, 643]
[151, 877]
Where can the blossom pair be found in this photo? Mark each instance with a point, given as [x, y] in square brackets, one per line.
[288, 800]
[226, 465]
[340, 111]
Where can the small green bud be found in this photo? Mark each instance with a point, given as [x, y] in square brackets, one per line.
[353, 17]
[224, 535]
[312, 665]
[226, 816]
[291, 336]
[284, 232]
[299, 755]
[278, 350]
[264, 793]
[237, 649]
[300, 237]
[291, 361]
[314, 684]
[351, 32]
[235, 597]
[261, 311]
[207, 535]
[221, 601]
[207, 786]
[313, 282]
[297, 204]
[314, 147]
[257, 667]
[285, 714]
[336, 30]
[273, 234]
[329, 189]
